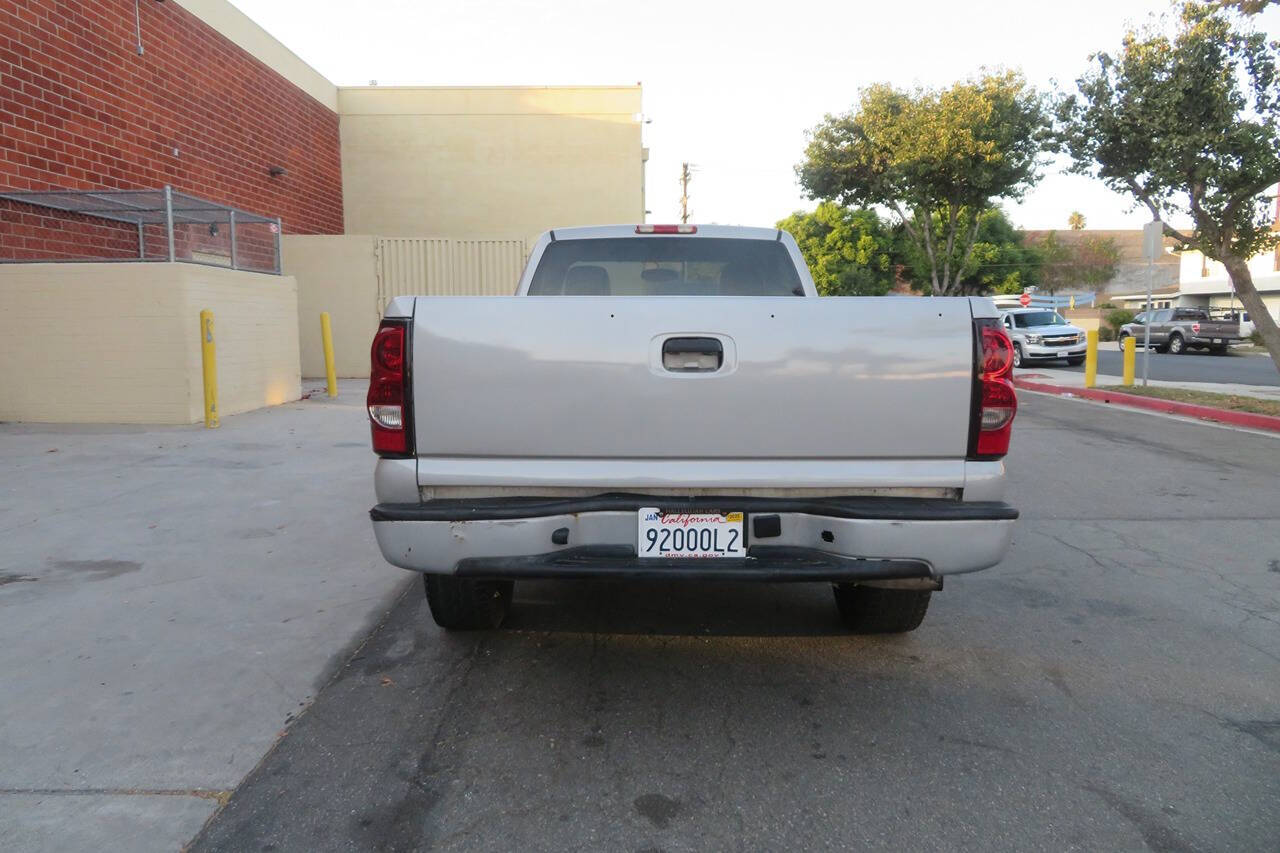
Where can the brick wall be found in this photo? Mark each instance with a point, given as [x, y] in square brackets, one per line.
[80, 109]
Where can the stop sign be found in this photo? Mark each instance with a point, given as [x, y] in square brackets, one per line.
[1024, 300]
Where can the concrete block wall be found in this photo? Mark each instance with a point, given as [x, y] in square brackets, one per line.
[256, 326]
[120, 343]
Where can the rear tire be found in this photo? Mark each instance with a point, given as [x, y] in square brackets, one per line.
[1017, 355]
[873, 610]
[462, 604]
[1177, 346]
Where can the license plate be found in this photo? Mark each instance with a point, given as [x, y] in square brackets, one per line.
[1217, 340]
[689, 534]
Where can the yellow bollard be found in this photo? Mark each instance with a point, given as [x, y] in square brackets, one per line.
[1091, 359]
[326, 337]
[208, 355]
[1130, 358]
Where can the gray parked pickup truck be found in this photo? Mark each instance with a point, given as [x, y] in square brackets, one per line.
[674, 402]
[1177, 330]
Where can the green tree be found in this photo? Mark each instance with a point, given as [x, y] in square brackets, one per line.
[1188, 123]
[1089, 261]
[1094, 261]
[997, 262]
[849, 252]
[932, 155]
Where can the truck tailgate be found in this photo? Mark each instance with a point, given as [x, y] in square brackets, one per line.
[585, 377]
[1217, 329]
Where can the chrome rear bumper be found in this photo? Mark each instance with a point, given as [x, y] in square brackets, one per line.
[817, 539]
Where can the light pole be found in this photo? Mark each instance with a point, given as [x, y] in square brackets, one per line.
[1152, 246]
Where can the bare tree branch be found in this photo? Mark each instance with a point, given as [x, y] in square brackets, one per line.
[926, 227]
[897, 208]
[951, 242]
[973, 238]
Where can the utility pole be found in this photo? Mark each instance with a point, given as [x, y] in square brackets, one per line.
[685, 174]
[1152, 248]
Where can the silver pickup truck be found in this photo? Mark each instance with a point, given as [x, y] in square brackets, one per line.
[675, 402]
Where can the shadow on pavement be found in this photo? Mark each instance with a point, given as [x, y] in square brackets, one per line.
[675, 608]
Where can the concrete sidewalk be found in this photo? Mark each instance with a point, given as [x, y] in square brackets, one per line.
[1073, 379]
[169, 598]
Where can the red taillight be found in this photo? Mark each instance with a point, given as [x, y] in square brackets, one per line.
[1195, 328]
[388, 398]
[997, 351]
[996, 417]
[994, 402]
[666, 229]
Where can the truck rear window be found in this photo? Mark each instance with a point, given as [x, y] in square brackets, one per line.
[666, 266]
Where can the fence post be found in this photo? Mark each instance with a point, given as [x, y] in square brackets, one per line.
[168, 217]
[326, 338]
[208, 356]
[232, 226]
[1091, 358]
[1130, 358]
[279, 238]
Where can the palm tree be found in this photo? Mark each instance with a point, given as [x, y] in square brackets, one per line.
[1076, 220]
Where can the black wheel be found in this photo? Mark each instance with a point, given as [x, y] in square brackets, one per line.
[1120, 342]
[462, 604]
[873, 610]
[1017, 355]
[1076, 361]
[1177, 345]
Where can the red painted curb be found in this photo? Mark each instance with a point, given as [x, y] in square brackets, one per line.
[1168, 407]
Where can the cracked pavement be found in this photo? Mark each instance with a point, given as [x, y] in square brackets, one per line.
[1114, 684]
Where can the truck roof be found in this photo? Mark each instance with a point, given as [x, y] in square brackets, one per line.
[593, 232]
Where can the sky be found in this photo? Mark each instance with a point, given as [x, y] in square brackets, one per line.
[729, 85]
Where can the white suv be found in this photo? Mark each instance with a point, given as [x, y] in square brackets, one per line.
[1041, 334]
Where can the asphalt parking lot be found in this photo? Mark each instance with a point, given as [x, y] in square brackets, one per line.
[190, 618]
[1191, 366]
[1114, 684]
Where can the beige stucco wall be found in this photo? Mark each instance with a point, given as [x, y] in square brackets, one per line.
[337, 274]
[1271, 300]
[120, 343]
[492, 162]
[257, 42]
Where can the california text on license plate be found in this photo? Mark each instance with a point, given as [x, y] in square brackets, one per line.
[689, 534]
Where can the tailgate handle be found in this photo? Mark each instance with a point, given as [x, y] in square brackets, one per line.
[692, 355]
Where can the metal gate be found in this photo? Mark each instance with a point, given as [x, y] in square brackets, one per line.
[438, 266]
